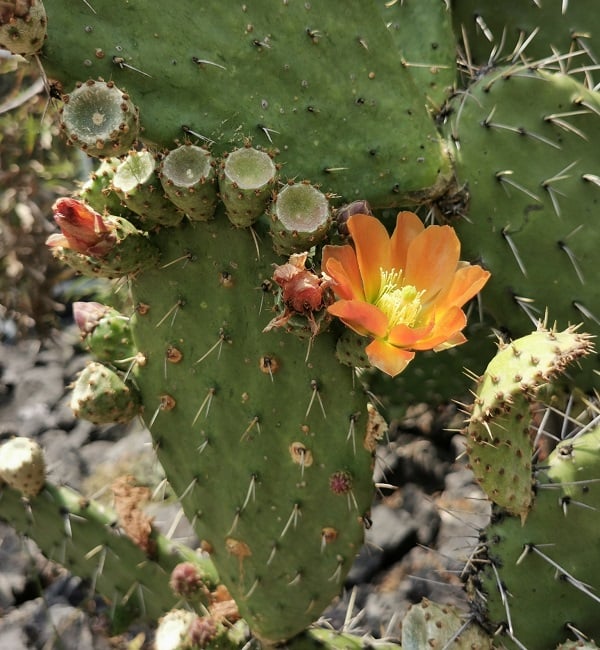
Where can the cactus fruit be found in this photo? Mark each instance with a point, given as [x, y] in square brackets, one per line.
[136, 181]
[300, 218]
[98, 191]
[533, 184]
[100, 119]
[22, 26]
[246, 181]
[101, 395]
[105, 333]
[102, 245]
[188, 178]
[22, 466]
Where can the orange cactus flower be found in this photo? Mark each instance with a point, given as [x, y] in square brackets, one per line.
[82, 229]
[405, 292]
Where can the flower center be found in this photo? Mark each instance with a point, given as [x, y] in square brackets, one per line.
[401, 304]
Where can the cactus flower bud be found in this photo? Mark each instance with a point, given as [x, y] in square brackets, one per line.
[99, 245]
[186, 580]
[88, 315]
[82, 229]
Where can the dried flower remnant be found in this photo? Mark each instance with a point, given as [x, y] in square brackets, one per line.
[82, 229]
[303, 292]
[405, 292]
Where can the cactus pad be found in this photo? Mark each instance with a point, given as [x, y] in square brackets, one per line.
[499, 443]
[276, 73]
[268, 456]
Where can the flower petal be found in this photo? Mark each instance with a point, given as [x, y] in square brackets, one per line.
[404, 336]
[408, 226]
[362, 317]
[447, 325]
[339, 263]
[55, 240]
[432, 259]
[372, 245]
[388, 358]
[466, 283]
[458, 339]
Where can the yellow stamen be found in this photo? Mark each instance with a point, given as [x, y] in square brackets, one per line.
[401, 304]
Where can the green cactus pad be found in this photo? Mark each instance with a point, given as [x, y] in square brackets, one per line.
[499, 443]
[422, 31]
[100, 118]
[71, 529]
[525, 148]
[101, 395]
[430, 625]
[533, 31]
[548, 568]
[264, 424]
[276, 73]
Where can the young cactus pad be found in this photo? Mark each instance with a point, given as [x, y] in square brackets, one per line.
[260, 434]
[279, 73]
[499, 443]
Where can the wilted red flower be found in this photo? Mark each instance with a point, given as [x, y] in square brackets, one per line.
[406, 291]
[302, 292]
[82, 229]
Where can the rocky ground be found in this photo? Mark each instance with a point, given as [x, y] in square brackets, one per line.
[426, 515]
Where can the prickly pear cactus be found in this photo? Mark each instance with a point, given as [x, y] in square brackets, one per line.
[524, 142]
[550, 563]
[293, 68]
[500, 446]
[261, 433]
[85, 536]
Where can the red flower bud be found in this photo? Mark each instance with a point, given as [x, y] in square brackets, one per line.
[82, 229]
